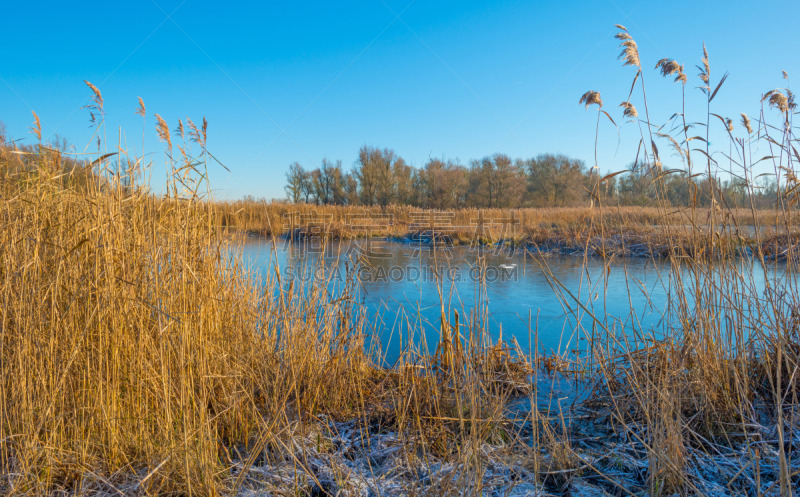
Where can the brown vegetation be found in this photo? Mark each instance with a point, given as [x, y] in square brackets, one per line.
[138, 356]
[621, 231]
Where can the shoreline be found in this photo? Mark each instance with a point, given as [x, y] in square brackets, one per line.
[631, 244]
[587, 455]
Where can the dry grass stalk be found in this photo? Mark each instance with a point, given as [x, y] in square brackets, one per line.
[630, 51]
[746, 123]
[628, 110]
[36, 129]
[163, 131]
[705, 70]
[591, 98]
[783, 100]
[669, 67]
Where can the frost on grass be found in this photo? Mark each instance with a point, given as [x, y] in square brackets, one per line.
[587, 457]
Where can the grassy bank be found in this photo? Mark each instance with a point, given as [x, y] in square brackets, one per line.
[608, 231]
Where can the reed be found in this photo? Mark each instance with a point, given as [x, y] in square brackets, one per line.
[139, 354]
[720, 366]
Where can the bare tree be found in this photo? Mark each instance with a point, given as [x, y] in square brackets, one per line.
[295, 179]
[365, 174]
[495, 181]
[441, 184]
[375, 172]
[556, 180]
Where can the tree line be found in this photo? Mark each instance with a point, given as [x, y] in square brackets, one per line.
[381, 177]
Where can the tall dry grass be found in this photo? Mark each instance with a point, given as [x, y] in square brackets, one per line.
[654, 231]
[277, 218]
[140, 356]
[136, 352]
[720, 383]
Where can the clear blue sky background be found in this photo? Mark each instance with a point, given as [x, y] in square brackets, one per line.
[286, 81]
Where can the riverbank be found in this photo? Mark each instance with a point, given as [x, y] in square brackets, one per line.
[556, 435]
[642, 232]
[564, 436]
[351, 459]
[560, 435]
[638, 242]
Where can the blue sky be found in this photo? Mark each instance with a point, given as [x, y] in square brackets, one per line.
[285, 81]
